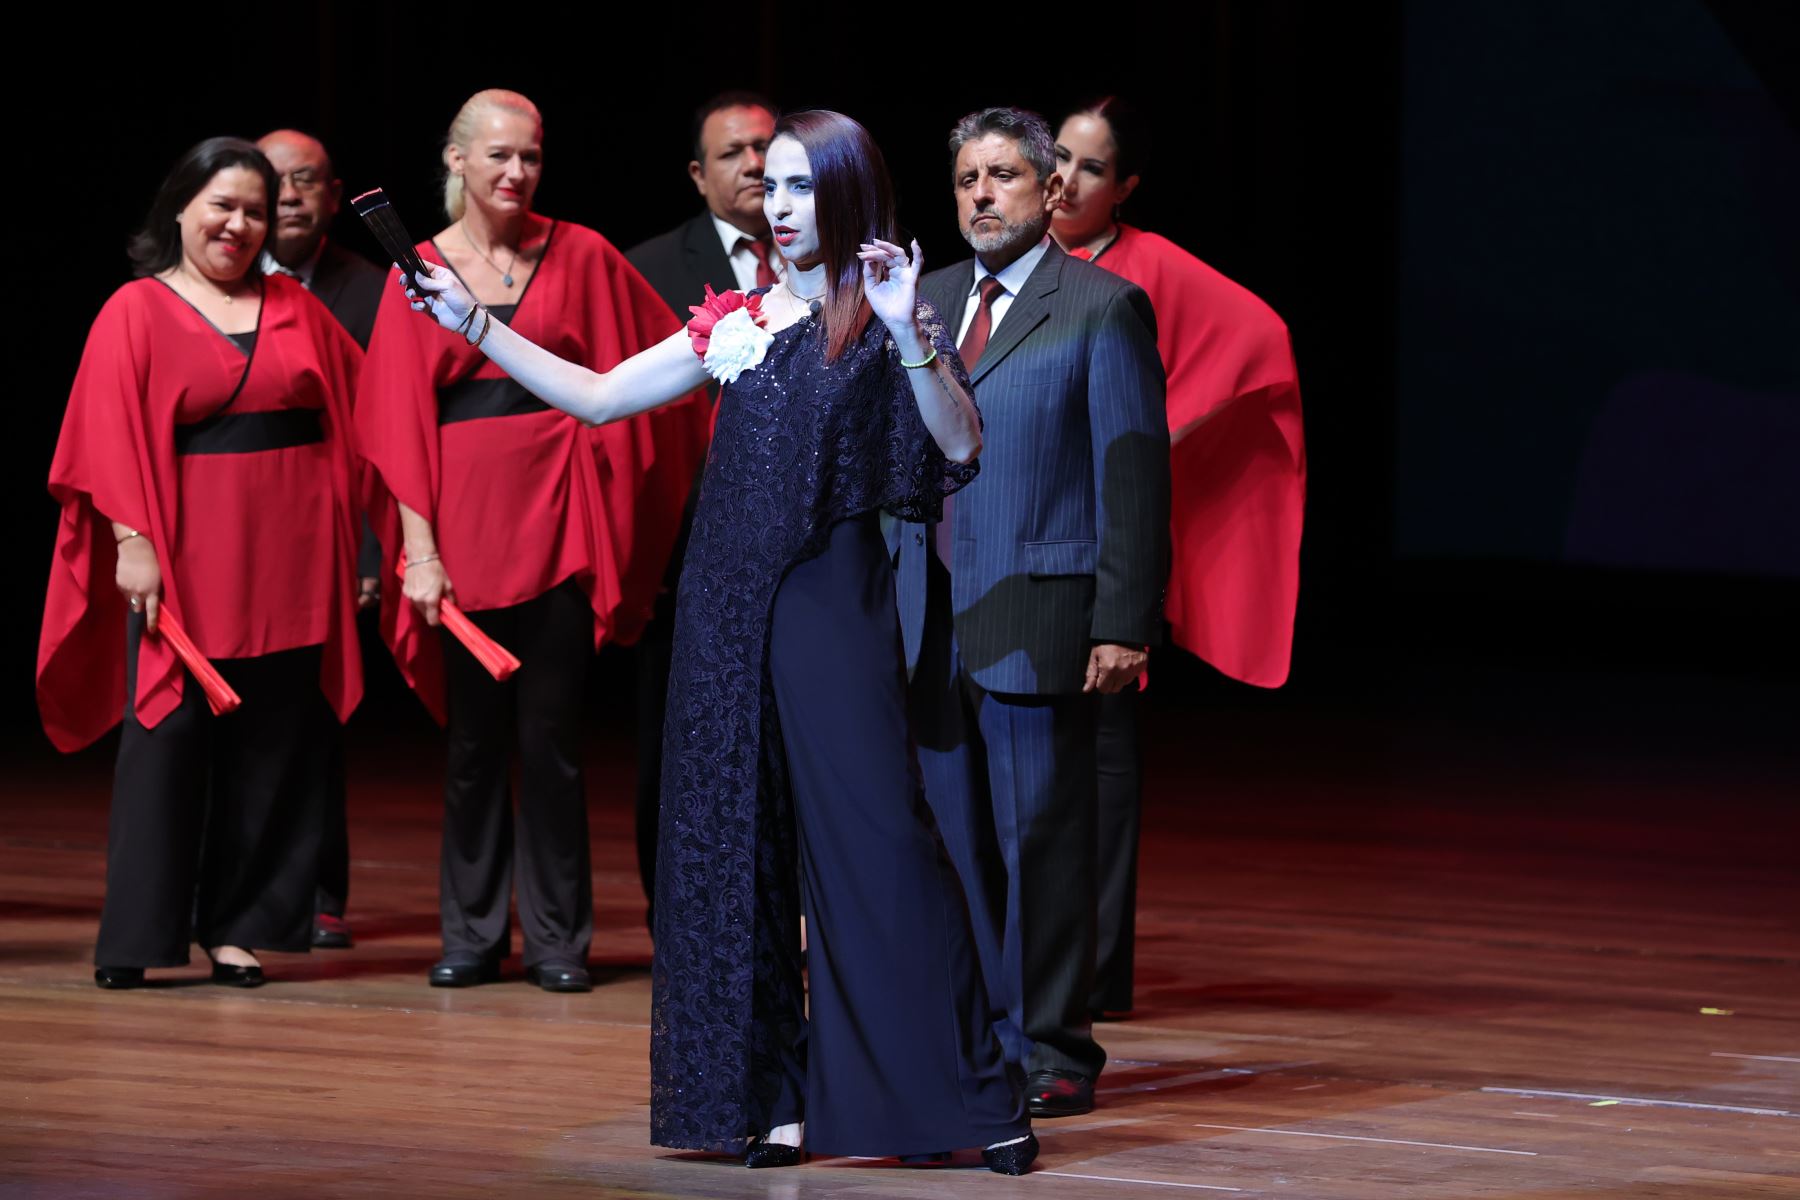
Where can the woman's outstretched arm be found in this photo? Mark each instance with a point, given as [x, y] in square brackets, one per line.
[665, 372]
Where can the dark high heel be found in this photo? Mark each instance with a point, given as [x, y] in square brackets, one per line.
[230, 975]
[1012, 1159]
[119, 978]
[770, 1154]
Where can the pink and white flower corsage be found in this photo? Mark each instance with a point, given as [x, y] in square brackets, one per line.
[727, 333]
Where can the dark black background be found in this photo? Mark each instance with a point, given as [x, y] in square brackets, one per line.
[1277, 160]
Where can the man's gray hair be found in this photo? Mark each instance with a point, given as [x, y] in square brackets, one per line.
[1026, 128]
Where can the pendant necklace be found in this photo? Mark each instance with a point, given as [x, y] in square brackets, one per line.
[811, 302]
[506, 275]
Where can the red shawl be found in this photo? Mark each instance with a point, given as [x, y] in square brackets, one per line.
[151, 360]
[1238, 459]
[520, 503]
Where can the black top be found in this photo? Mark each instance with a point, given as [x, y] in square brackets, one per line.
[244, 341]
[503, 313]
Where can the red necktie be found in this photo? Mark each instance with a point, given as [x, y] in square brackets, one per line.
[976, 339]
[973, 343]
[760, 249]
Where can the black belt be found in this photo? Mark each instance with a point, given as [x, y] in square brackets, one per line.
[247, 433]
[472, 399]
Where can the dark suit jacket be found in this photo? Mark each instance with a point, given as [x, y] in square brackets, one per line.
[1063, 539]
[350, 285]
[681, 263]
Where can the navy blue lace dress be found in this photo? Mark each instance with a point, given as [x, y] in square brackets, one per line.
[788, 768]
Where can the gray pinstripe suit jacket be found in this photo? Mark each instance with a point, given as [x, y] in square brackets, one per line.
[1063, 539]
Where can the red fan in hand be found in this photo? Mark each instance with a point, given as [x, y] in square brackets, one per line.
[499, 661]
[218, 693]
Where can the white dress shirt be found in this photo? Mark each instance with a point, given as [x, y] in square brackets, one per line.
[743, 259]
[1012, 279]
[303, 272]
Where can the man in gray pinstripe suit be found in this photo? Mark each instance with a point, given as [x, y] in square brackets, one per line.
[1042, 587]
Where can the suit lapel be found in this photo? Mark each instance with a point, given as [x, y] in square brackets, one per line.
[705, 257]
[1029, 309]
[948, 292]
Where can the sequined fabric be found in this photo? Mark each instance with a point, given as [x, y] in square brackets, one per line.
[800, 445]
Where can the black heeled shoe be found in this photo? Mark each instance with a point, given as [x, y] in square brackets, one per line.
[119, 978]
[233, 975]
[1015, 1158]
[771, 1154]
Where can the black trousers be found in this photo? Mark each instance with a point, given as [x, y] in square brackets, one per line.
[655, 653]
[1119, 758]
[538, 711]
[334, 847]
[334, 832]
[214, 831]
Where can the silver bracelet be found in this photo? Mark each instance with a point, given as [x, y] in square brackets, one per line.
[414, 562]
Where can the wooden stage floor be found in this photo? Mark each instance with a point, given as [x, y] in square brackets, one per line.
[1378, 961]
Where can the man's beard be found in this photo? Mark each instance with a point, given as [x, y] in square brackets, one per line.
[1010, 239]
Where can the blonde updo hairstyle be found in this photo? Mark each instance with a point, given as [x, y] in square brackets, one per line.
[463, 130]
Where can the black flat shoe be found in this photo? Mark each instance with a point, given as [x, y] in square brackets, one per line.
[236, 976]
[770, 1154]
[560, 977]
[1014, 1159]
[1052, 1093]
[119, 978]
[459, 971]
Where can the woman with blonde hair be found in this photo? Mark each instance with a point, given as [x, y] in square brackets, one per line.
[551, 535]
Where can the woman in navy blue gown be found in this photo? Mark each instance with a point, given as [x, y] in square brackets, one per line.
[789, 780]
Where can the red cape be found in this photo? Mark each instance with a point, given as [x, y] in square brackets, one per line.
[149, 355]
[1238, 459]
[602, 506]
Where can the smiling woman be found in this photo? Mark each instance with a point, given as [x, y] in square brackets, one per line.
[208, 428]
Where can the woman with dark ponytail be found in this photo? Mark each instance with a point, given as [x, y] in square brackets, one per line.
[1238, 479]
[787, 758]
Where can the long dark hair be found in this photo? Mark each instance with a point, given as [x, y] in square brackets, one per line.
[157, 246]
[1130, 134]
[853, 202]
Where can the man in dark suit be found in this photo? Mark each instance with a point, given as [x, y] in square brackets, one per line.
[311, 194]
[1042, 587]
[350, 286]
[727, 246]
